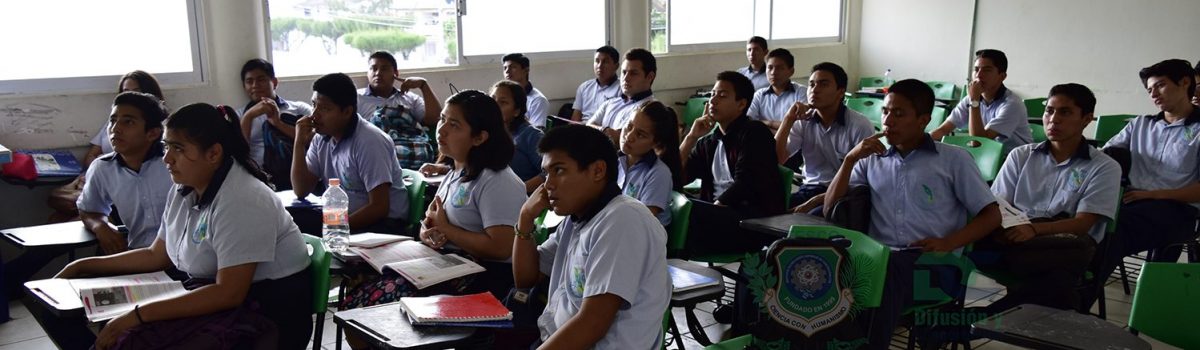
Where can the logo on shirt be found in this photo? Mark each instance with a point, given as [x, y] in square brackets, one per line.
[928, 192]
[577, 281]
[201, 231]
[1188, 134]
[1075, 179]
[631, 190]
[461, 196]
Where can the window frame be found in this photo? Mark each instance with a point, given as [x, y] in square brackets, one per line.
[199, 75]
[740, 45]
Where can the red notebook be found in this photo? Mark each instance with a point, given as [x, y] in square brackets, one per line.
[455, 309]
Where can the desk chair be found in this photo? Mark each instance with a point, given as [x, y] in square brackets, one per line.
[1108, 126]
[936, 118]
[416, 200]
[943, 91]
[1164, 305]
[988, 153]
[1035, 108]
[681, 210]
[870, 107]
[869, 82]
[1039, 132]
[319, 260]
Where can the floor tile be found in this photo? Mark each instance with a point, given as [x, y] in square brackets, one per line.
[42, 343]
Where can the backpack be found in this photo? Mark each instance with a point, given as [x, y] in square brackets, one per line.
[413, 148]
[277, 153]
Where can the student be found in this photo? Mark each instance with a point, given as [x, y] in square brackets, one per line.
[990, 110]
[133, 179]
[756, 49]
[826, 131]
[269, 119]
[1069, 189]
[516, 68]
[402, 114]
[1159, 207]
[334, 142]
[247, 277]
[595, 92]
[648, 165]
[737, 168]
[771, 103]
[637, 77]
[526, 162]
[62, 199]
[922, 191]
[607, 262]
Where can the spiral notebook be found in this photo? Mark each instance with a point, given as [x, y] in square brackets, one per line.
[481, 308]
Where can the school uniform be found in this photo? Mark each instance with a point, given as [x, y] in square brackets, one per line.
[363, 159]
[1050, 265]
[536, 106]
[770, 106]
[592, 93]
[614, 247]
[289, 111]
[616, 113]
[649, 181]
[526, 161]
[824, 148]
[1005, 114]
[759, 77]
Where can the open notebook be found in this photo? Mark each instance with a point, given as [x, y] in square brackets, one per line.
[417, 263]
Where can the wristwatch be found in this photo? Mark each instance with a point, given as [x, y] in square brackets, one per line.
[974, 103]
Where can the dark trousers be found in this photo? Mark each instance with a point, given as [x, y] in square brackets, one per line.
[909, 283]
[1148, 225]
[715, 230]
[806, 192]
[1046, 268]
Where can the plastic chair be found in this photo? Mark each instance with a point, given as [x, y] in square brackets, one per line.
[319, 263]
[1164, 304]
[942, 90]
[693, 110]
[1039, 132]
[869, 82]
[870, 107]
[936, 118]
[786, 175]
[681, 213]
[1108, 126]
[1035, 107]
[416, 199]
[988, 153]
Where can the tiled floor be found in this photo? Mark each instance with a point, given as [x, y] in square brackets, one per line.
[23, 332]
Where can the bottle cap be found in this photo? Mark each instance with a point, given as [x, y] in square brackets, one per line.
[335, 182]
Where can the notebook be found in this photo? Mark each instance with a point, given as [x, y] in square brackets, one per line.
[374, 240]
[55, 163]
[683, 280]
[464, 310]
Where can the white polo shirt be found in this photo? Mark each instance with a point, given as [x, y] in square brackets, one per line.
[288, 111]
[767, 105]
[536, 105]
[616, 113]
[590, 95]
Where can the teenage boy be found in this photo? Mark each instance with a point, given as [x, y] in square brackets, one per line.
[772, 103]
[756, 50]
[922, 193]
[595, 92]
[637, 77]
[607, 262]
[334, 142]
[402, 114]
[990, 109]
[516, 68]
[269, 121]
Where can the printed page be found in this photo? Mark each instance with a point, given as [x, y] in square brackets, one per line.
[432, 270]
[1010, 216]
[107, 302]
[393, 253]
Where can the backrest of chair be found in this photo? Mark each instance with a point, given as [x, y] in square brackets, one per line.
[319, 261]
[1035, 107]
[870, 107]
[785, 176]
[693, 110]
[1039, 132]
[936, 118]
[988, 153]
[942, 90]
[681, 213]
[869, 82]
[1165, 303]
[416, 198]
[853, 210]
[868, 256]
[1108, 126]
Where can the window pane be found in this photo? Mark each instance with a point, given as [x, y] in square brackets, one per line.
[821, 19]
[658, 26]
[711, 21]
[317, 37]
[493, 27]
[45, 39]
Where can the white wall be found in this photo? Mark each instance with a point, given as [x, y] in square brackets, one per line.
[235, 34]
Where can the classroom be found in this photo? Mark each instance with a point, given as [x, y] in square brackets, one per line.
[540, 174]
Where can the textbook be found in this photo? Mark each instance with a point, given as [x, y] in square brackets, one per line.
[55, 163]
[5, 155]
[375, 240]
[683, 280]
[417, 263]
[475, 310]
[107, 297]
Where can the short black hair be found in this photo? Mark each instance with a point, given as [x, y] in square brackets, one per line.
[917, 92]
[839, 74]
[1175, 69]
[585, 145]
[649, 63]
[383, 55]
[996, 56]
[153, 109]
[1083, 97]
[743, 89]
[758, 40]
[260, 64]
[146, 83]
[339, 88]
[611, 52]
[483, 114]
[517, 57]
[784, 55]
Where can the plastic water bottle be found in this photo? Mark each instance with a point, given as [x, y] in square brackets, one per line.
[336, 217]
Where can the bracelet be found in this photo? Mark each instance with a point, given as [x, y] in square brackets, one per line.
[525, 236]
[138, 313]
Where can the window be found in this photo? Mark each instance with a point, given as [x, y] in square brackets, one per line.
[313, 37]
[708, 24]
[492, 28]
[49, 56]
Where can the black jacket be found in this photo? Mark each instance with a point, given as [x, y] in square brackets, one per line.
[757, 189]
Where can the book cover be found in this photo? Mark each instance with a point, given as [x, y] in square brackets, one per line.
[447, 309]
[55, 162]
[684, 280]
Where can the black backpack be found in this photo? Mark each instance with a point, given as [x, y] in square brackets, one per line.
[277, 153]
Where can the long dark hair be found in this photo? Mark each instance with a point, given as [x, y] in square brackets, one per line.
[146, 83]
[483, 114]
[666, 137]
[206, 125]
[519, 102]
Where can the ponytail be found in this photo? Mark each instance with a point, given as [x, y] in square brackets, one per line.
[207, 125]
